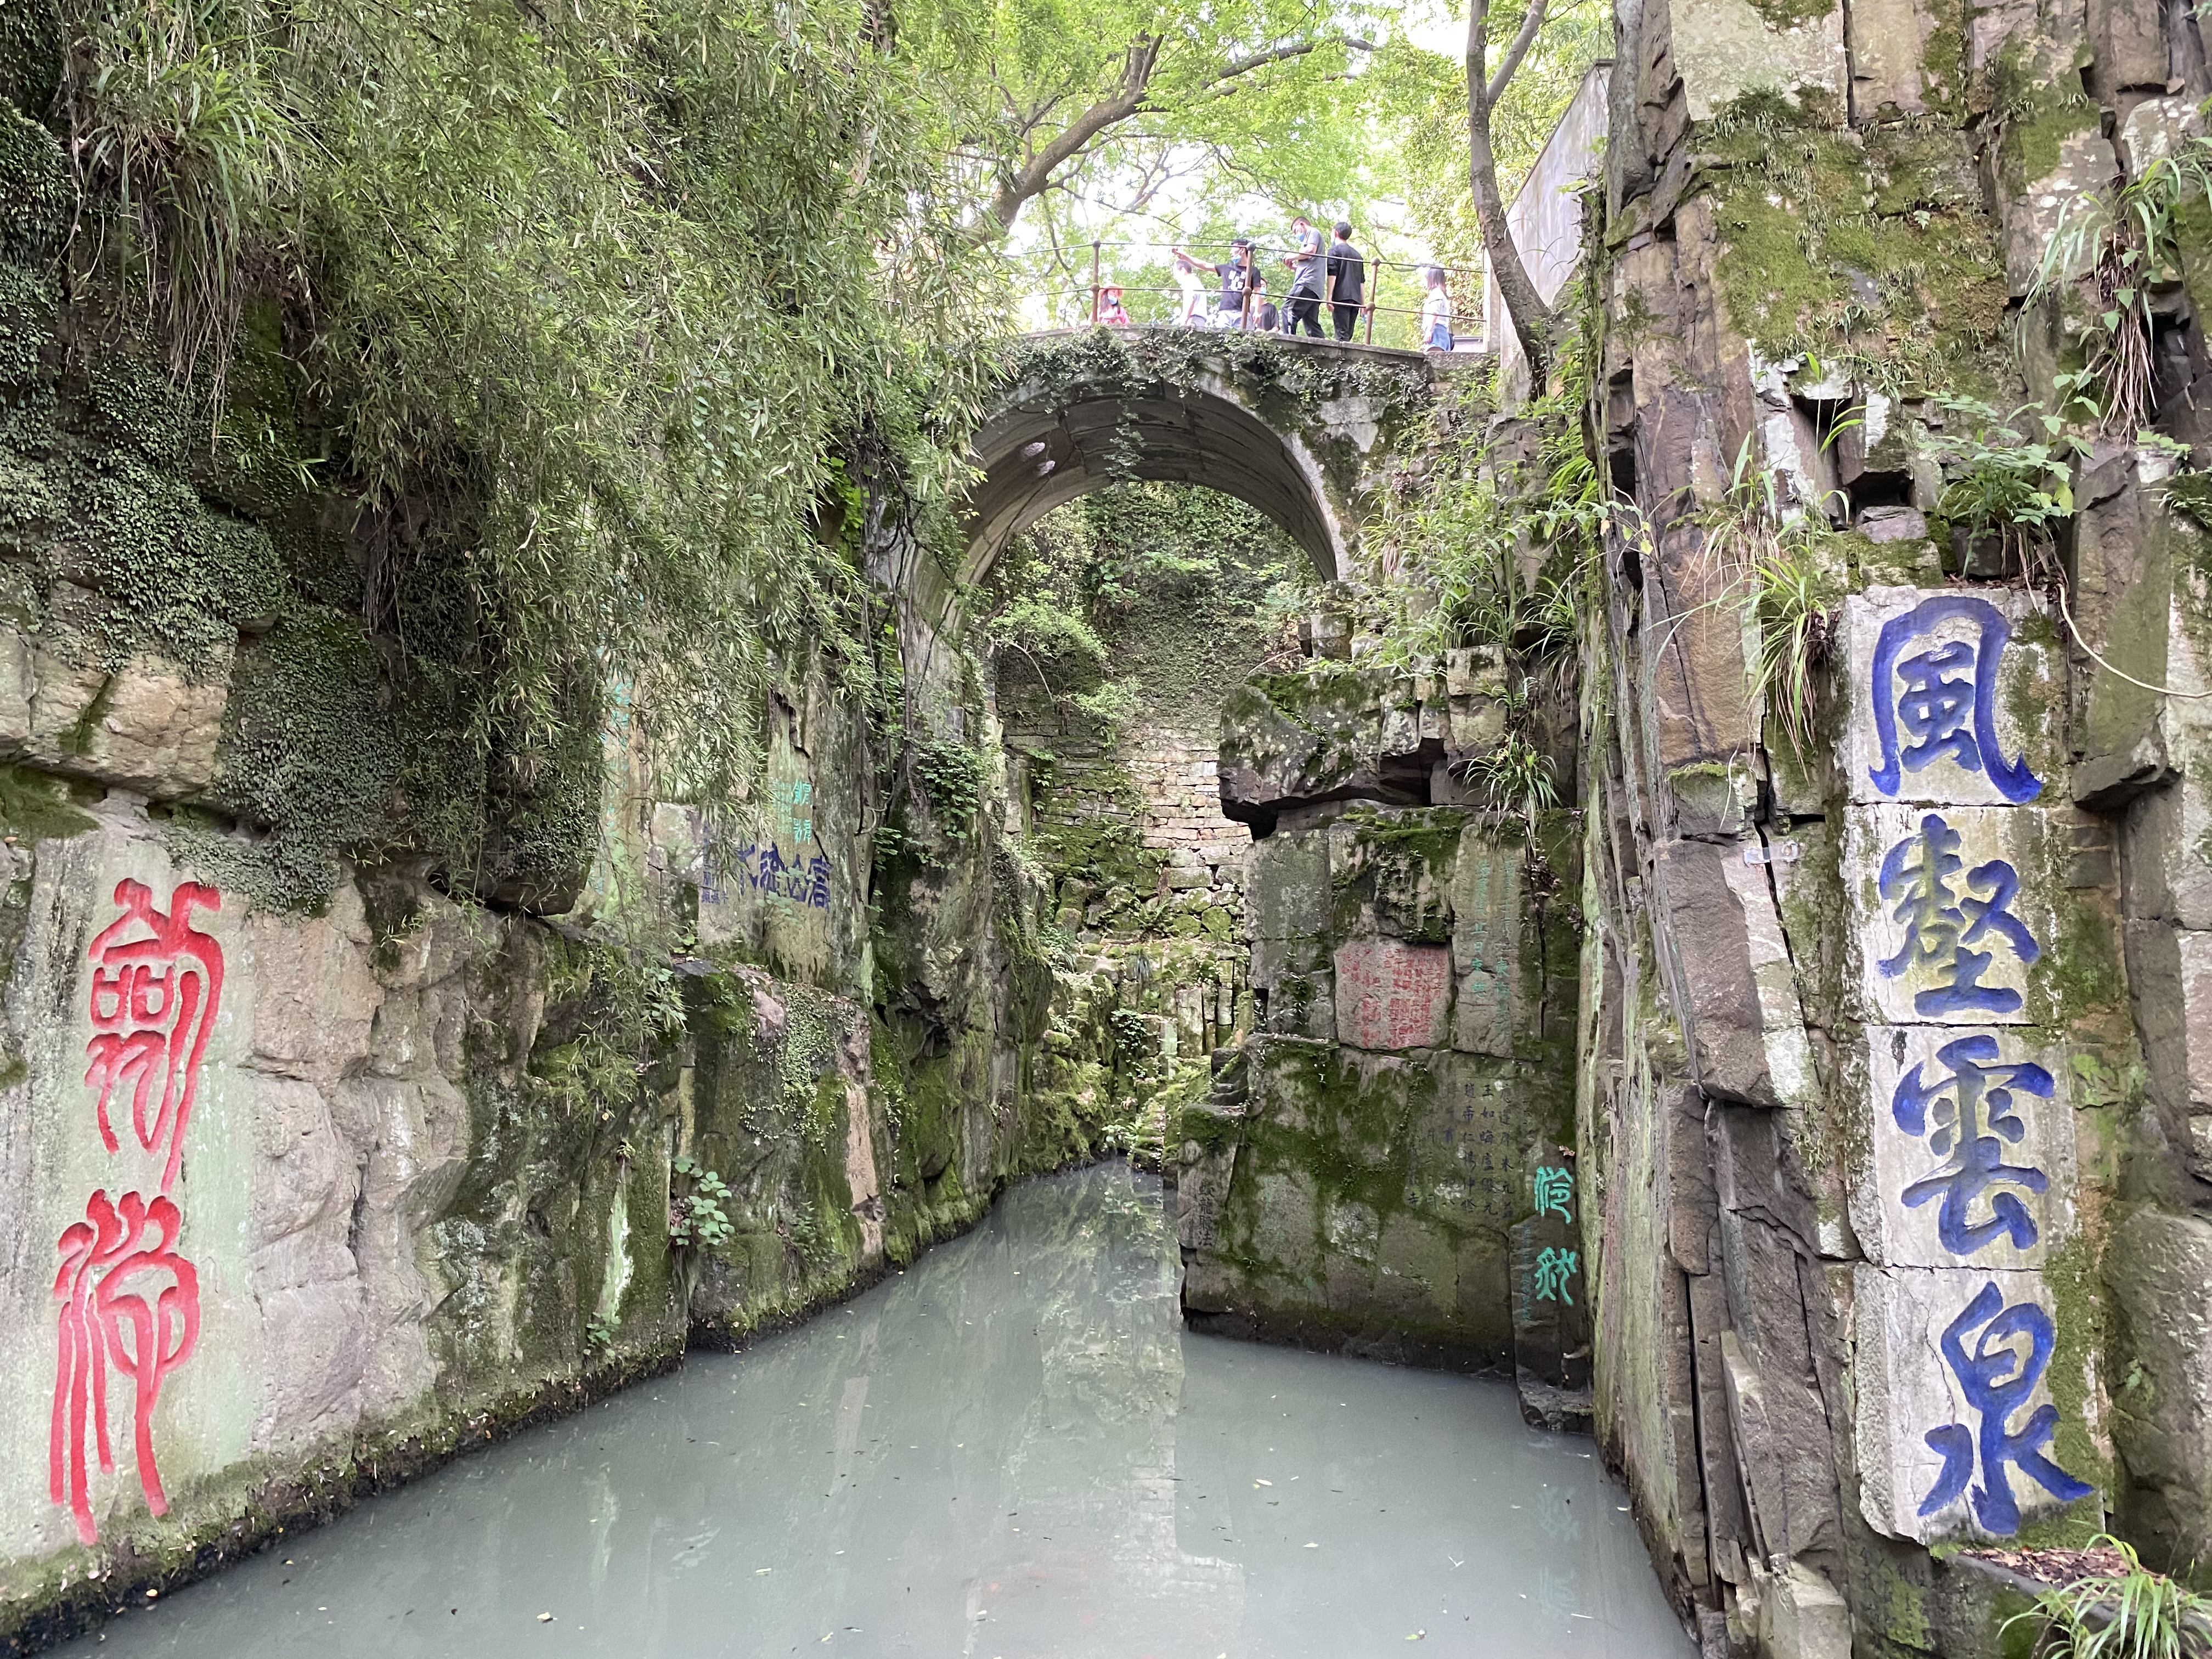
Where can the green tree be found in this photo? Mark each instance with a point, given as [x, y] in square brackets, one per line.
[1050, 89]
[597, 304]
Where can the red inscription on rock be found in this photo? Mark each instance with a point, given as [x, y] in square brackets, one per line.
[156, 983]
[1390, 995]
[130, 1302]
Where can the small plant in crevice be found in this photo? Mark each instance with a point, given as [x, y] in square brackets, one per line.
[1514, 777]
[815, 1236]
[1791, 601]
[697, 1222]
[948, 772]
[2132, 1614]
[598, 1335]
[1763, 551]
[2123, 246]
[2007, 478]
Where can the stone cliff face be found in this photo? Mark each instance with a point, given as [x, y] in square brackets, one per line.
[1808, 1088]
[1888, 1186]
[326, 1154]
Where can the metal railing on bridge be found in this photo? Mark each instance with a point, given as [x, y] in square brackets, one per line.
[1154, 287]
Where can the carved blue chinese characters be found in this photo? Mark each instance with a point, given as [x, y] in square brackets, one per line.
[1971, 1109]
[1941, 701]
[1997, 1380]
[1943, 923]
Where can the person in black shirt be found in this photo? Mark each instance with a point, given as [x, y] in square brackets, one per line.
[1235, 273]
[1347, 281]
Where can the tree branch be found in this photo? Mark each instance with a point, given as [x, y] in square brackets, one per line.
[1531, 317]
[1517, 50]
[1132, 98]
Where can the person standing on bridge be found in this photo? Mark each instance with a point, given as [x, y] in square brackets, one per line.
[1111, 314]
[1307, 267]
[1347, 281]
[1192, 313]
[1235, 273]
[1436, 311]
[1263, 316]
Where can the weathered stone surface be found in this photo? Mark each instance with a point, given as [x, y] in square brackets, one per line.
[1390, 995]
[1908, 1390]
[149, 727]
[1489, 1006]
[1904, 867]
[1710, 950]
[1801, 1616]
[2160, 1277]
[1725, 48]
[1887, 37]
[2086, 166]
[1990, 1162]
[1930, 720]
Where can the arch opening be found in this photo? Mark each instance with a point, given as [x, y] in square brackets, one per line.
[1048, 446]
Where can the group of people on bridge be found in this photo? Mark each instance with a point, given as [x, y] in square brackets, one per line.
[1334, 276]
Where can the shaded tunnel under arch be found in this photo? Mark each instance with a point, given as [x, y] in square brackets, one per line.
[1050, 445]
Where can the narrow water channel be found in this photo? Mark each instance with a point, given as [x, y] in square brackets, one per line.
[1013, 1449]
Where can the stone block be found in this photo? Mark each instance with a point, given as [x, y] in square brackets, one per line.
[1955, 1411]
[1710, 950]
[149, 727]
[1725, 48]
[1205, 1172]
[1954, 699]
[2160, 1273]
[16, 686]
[1887, 37]
[1279, 1226]
[1288, 903]
[1470, 1142]
[1956, 913]
[1972, 1154]
[1801, 1615]
[1477, 726]
[1390, 995]
[1551, 1316]
[2156, 128]
[2086, 166]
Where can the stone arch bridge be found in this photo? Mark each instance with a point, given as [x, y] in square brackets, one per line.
[1300, 430]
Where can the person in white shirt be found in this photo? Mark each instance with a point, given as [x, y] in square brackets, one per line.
[1193, 312]
[1436, 311]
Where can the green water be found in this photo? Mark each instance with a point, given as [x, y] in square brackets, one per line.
[1013, 1449]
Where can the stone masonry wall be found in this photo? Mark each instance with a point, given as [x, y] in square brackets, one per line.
[1885, 1103]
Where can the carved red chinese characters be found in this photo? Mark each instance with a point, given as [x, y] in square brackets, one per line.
[130, 1300]
[156, 983]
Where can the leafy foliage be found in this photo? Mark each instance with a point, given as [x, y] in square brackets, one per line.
[1104, 565]
[2005, 476]
[2134, 1613]
[1514, 776]
[588, 299]
[1766, 551]
[1503, 524]
[2120, 247]
[697, 1220]
[1423, 122]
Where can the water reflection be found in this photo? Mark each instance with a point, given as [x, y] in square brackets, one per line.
[1013, 1449]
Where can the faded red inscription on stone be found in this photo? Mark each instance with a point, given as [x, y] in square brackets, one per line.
[130, 1300]
[1390, 995]
[156, 983]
